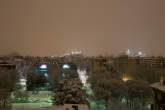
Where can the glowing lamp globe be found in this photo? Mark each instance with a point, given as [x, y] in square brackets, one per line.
[43, 66]
[66, 66]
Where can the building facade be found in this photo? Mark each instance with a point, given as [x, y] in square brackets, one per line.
[158, 100]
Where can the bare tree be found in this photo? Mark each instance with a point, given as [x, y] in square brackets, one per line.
[54, 74]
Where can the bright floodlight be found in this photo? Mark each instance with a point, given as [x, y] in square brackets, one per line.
[140, 53]
[43, 66]
[66, 66]
[82, 75]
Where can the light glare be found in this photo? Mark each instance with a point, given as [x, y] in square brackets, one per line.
[43, 66]
[66, 66]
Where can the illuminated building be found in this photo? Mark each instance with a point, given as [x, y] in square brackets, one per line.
[9, 66]
[136, 54]
[128, 52]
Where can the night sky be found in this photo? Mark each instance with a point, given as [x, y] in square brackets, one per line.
[51, 27]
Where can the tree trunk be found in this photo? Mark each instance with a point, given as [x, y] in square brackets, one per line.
[106, 104]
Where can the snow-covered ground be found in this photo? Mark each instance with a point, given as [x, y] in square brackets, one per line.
[69, 106]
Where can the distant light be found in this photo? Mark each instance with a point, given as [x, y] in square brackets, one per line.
[46, 75]
[128, 52]
[43, 66]
[66, 66]
[53, 56]
[23, 80]
[126, 78]
[140, 53]
[76, 52]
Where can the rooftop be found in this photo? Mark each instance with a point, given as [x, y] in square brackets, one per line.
[158, 86]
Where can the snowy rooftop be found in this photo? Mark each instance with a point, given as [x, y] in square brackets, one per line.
[159, 86]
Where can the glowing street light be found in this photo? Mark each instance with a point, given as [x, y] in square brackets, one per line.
[125, 79]
[66, 66]
[43, 66]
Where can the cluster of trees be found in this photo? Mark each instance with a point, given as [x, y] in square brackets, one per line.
[70, 91]
[117, 94]
[35, 81]
[108, 84]
[67, 90]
